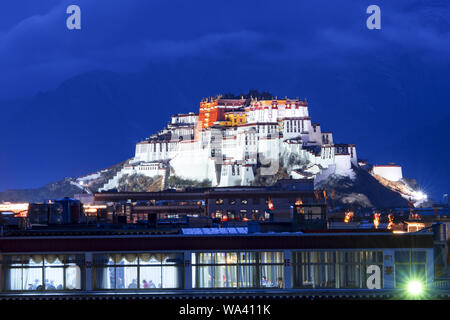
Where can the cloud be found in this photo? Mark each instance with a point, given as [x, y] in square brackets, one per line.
[39, 52]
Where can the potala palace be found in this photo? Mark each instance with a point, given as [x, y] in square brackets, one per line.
[231, 141]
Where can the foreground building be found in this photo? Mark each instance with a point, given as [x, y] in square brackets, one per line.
[90, 263]
[276, 203]
[290, 252]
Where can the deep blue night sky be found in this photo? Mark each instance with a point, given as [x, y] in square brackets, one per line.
[73, 102]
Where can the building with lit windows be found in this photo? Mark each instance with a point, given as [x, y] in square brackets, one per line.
[228, 141]
[274, 203]
[94, 262]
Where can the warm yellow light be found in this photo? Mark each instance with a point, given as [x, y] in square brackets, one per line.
[89, 208]
[415, 226]
[376, 220]
[17, 208]
[348, 216]
[391, 221]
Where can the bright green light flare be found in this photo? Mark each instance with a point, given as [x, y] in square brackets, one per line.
[415, 287]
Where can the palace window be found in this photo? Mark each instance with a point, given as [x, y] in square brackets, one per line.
[237, 269]
[138, 271]
[43, 272]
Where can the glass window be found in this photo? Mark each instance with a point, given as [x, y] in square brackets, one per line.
[271, 257]
[237, 269]
[272, 276]
[349, 276]
[402, 257]
[151, 277]
[73, 277]
[126, 277]
[418, 257]
[248, 257]
[248, 276]
[225, 276]
[373, 257]
[225, 258]
[333, 269]
[43, 272]
[14, 280]
[402, 271]
[138, 271]
[409, 264]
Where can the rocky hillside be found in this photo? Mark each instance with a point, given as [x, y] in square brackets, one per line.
[55, 190]
[66, 187]
[362, 191]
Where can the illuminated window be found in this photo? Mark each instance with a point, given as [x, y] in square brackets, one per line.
[43, 272]
[237, 270]
[333, 269]
[138, 271]
[410, 264]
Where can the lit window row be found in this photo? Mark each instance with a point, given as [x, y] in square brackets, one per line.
[309, 269]
[238, 270]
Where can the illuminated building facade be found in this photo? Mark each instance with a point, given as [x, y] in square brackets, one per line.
[281, 203]
[230, 139]
[217, 262]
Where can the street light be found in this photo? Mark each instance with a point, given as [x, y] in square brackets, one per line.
[415, 287]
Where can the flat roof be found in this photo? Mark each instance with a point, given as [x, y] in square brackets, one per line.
[200, 242]
[387, 165]
[199, 195]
